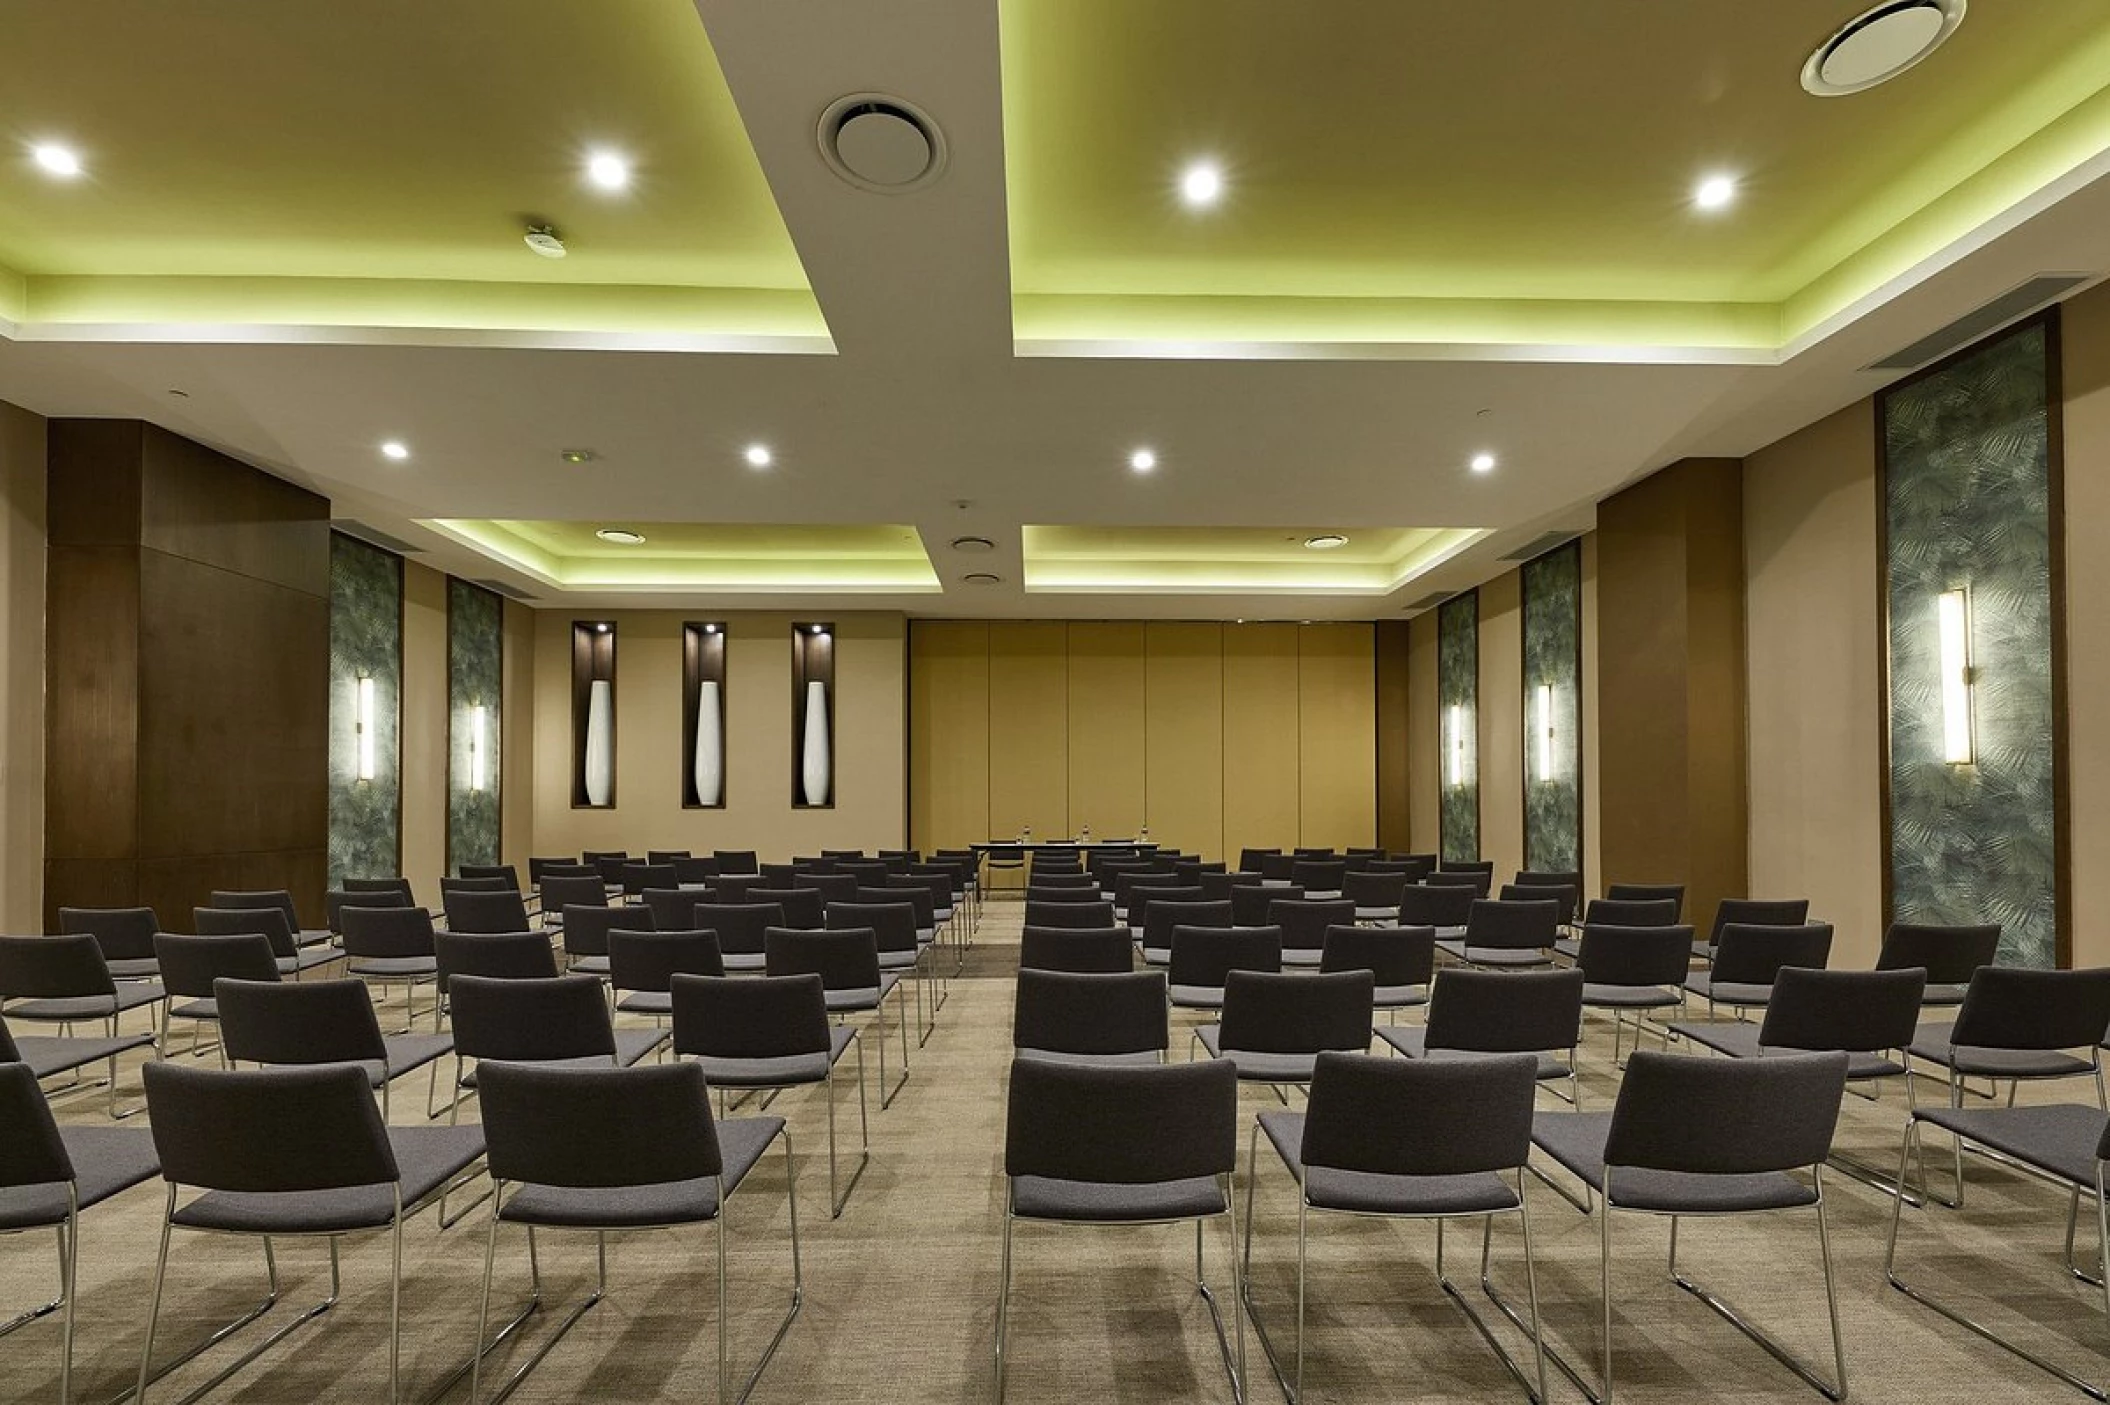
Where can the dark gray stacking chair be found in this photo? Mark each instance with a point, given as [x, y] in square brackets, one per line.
[318, 1022]
[558, 892]
[741, 929]
[1203, 956]
[1477, 881]
[1143, 1145]
[270, 923]
[1751, 912]
[1104, 950]
[336, 900]
[1650, 892]
[619, 1148]
[1376, 895]
[400, 886]
[1622, 912]
[282, 900]
[1406, 1139]
[1086, 1017]
[673, 909]
[492, 870]
[1142, 899]
[1950, 956]
[512, 956]
[770, 1032]
[465, 884]
[286, 1152]
[1094, 912]
[847, 961]
[48, 1055]
[48, 1175]
[1161, 916]
[190, 965]
[502, 911]
[1445, 907]
[1506, 934]
[126, 935]
[1400, 961]
[901, 950]
[803, 908]
[1706, 1137]
[1276, 1023]
[1496, 1012]
[557, 1020]
[1318, 877]
[735, 861]
[1632, 970]
[1250, 902]
[386, 946]
[1305, 922]
[62, 981]
[586, 929]
[642, 967]
[1748, 958]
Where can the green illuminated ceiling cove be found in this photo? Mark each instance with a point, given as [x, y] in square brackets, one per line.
[1234, 560]
[1508, 171]
[732, 558]
[333, 165]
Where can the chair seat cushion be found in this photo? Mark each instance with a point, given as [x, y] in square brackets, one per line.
[307, 958]
[1196, 997]
[1367, 1193]
[1943, 995]
[741, 1142]
[1933, 1045]
[647, 1002]
[900, 960]
[49, 1054]
[1628, 997]
[1739, 1040]
[196, 1010]
[1258, 1066]
[395, 966]
[1501, 956]
[1044, 1198]
[593, 965]
[1411, 1040]
[1577, 1139]
[776, 1071]
[1377, 913]
[62, 1009]
[745, 961]
[1062, 1056]
[1399, 997]
[2059, 1139]
[1568, 947]
[1306, 957]
[1157, 956]
[1741, 993]
[405, 1052]
[631, 1045]
[142, 968]
[427, 1158]
[106, 1160]
[317, 936]
[851, 999]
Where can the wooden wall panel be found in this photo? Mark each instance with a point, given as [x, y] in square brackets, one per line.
[200, 505]
[91, 765]
[949, 734]
[1261, 737]
[1336, 735]
[1183, 759]
[1107, 728]
[1029, 770]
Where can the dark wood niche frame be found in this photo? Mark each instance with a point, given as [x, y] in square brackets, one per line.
[702, 661]
[812, 660]
[592, 661]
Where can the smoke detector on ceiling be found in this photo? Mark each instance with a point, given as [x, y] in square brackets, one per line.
[1879, 44]
[881, 143]
[542, 238]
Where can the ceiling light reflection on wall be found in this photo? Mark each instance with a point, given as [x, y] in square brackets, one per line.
[608, 170]
[395, 449]
[1953, 620]
[1143, 460]
[758, 456]
[1715, 192]
[56, 160]
[1483, 463]
[1202, 184]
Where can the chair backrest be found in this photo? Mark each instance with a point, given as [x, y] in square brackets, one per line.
[397, 885]
[892, 924]
[1122, 1125]
[1724, 1116]
[1277, 866]
[1052, 881]
[267, 922]
[847, 959]
[463, 884]
[649, 960]
[1318, 875]
[1859, 1012]
[1373, 888]
[750, 1017]
[189, 965]
[1203, 956]
[539, 864]
[561, 1017]
[695, 870]
[1634, 956]
[124, 933]
[734, 887]
[1395, 956]
[1415, 866]
[561, 893]
[1504, 1012]
[259, 1131]
[379, 932]
[1949, 955]
[512, 956]
[298, 1022]
[1419, 1117]
[1474, 880]
[1250, 904]
[609, 866]
[336, 900]
[1097, 913]
[665, 855]
[1074, 1012]
[1058, 948]
[1274, 1012]
[833, 887]
[934, 886]
[1631, 912]
[1567, 897]
[637, 877]
[490, 870]
[803, 908]
[1161, 915]
[2019, 1007]
[584, 1128]
[1436, 905]
[1754, 955]
[586, 928]
[842, 853]
[673, 909]
[1512, 925]
[1760, 912]
[1304, 921]
[740, 926]
[485, 912]
[258, 897]
[1549, 878]
[1249, 858]
[32, 1153]
[1649, 892]
[735, 860]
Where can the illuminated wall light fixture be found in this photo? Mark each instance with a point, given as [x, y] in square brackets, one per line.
[363, 728]
[476, 747]
[1953, 615]
[1545, 731]
[1457, 747]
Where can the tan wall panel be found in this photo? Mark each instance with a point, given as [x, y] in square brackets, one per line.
[22, 490]
[1184, 737]
[1395, 739]
[1029, 769]
[2084, 336]
[949, 734]
[516, 742]
[1260, 737]
[1502, 724]
[1107, 728]
[1424, 723]
[1336, 735]
[1592, 810]
[424, 730]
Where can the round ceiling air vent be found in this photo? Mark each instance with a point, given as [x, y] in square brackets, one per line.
[1879, 44]
[881, 144]
[981, 578]
[973, 545]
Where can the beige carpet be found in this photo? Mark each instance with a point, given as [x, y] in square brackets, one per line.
[900, 1292]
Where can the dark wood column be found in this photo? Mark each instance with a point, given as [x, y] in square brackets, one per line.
[1670, 683]
[187, 666]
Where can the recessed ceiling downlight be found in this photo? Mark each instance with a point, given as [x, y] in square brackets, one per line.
[1879, 44]
[881, 143]
[975, 546]
[621, 536]
[1326, 541]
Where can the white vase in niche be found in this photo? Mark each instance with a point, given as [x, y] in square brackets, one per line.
[814, 773]
[710, 745]
[599, 770]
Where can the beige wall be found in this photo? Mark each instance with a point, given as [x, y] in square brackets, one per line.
[21, 669]
[516, 739]
[870, 775]
[1425, 730]
[424, 728]
[2085, 368]
[1501, 715]
[1215, 736]
[1592, 815]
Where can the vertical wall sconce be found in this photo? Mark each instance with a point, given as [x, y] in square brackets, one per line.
[1457, 747]
[1953, 615]
[476, 747]
[1545, 731]
[363, 728]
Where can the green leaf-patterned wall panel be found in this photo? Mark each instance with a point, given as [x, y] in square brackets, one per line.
[366, 641]
[1968, 484]
[1552, 596]
[475, 680]
[1458, 701]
